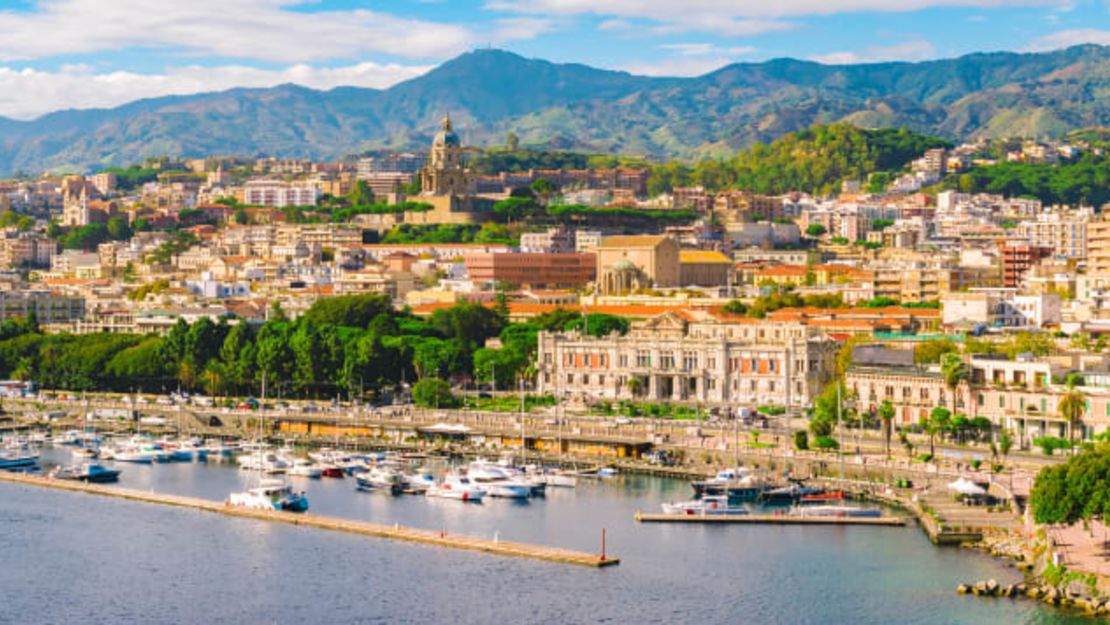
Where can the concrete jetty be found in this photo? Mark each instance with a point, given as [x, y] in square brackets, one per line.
[769, 519]
[395, 532]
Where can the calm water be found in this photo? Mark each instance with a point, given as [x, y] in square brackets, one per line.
[72, 558]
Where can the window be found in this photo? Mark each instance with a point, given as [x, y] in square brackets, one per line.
[980, 399]
[1001, 401]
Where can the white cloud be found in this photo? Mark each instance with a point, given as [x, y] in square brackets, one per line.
[703, 49]
[247, 29]
[26, 93]
[517, 28]
[736, 18]
[915, 49]
[610, 25]
[1068, 38]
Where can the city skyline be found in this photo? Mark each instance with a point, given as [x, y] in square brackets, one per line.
[53, 59]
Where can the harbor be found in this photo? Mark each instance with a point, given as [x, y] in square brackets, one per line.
[281, 572]
[395, 532]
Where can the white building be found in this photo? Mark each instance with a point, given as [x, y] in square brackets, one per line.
[278, 194]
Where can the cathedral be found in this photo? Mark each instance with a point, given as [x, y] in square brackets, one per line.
[446, 174]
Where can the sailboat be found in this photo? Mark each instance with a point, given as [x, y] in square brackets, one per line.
[270, 494]
[825, 504]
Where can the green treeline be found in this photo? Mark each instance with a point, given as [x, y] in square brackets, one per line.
[1085, 181]
[815, 160]
[341, 346]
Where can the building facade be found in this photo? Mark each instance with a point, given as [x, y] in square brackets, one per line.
[691, 358]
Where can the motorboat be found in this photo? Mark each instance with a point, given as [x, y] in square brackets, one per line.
[329, 470]
[710, 504]
[457, 487]
[134, 455]
[419, 482]
[270, 495]
[263, 461]
[607, 472]
[498, 482]
[382, 477]
[305, 468]
[84, 453]
[790, 493]
[17, 459]
[740, 484]
[837, 511]
[87, 472]
[559, 479]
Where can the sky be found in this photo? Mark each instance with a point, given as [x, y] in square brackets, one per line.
[62, 54]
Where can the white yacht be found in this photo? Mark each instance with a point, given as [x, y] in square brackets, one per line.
[497, 481]
[710, 504]
[457, 487]
[839, 511]
[263, 461]
[270, 495]
[305, 468]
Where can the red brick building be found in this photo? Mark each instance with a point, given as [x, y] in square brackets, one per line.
[532, 269]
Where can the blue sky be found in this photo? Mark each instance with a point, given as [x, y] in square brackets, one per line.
[58, 54]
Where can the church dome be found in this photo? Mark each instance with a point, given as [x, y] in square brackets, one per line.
[446, 135]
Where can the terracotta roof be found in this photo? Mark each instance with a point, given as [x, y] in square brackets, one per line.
[703, 256]
[632, 241]
[530, 309]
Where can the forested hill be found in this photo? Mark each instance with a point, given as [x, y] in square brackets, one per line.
[568, 106]
[815, 160]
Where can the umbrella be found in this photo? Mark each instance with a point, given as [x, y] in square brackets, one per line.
[966, 487]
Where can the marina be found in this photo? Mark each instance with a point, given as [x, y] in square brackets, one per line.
[395, 532]
[439, 541]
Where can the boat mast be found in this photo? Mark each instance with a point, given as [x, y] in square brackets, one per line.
[840, 435]
[523, 444]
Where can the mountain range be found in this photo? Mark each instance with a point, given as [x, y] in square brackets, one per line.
[570, 106]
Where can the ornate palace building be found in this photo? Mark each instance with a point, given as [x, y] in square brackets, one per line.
[691, 357]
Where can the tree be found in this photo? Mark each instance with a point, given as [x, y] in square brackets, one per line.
[1005, 443]
[1073, 491]
[543, 187]
[433, 393]
[241, 216]
[599, 324]
[886, 413]
[1071, 407]
[360, 194]
[355, 311]
[118, 228]
[512, 142]
[932, 350]
[937, 423]
[955, 372]
[815, 230]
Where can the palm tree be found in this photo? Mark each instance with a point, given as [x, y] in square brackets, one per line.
[1071, 407]
[955, 371]
[937, 423]
[886, 413]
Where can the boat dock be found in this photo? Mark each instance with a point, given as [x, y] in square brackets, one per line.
[769, 519]
[395, 532]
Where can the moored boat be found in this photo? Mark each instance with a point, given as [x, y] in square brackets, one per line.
[87, 472]
[457, 487]
[270, 495]
[711, 504]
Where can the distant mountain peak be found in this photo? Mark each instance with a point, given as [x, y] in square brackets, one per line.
[491, 91]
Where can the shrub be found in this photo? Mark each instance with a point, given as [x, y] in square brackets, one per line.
[801, 440]
[826, 442]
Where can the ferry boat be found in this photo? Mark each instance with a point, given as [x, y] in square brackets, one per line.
[270, 495]
[87, 472]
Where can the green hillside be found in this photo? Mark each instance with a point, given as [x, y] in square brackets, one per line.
[573, 107]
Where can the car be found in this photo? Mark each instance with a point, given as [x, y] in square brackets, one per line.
[622, 420]
[164, 401]
[484, 395]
